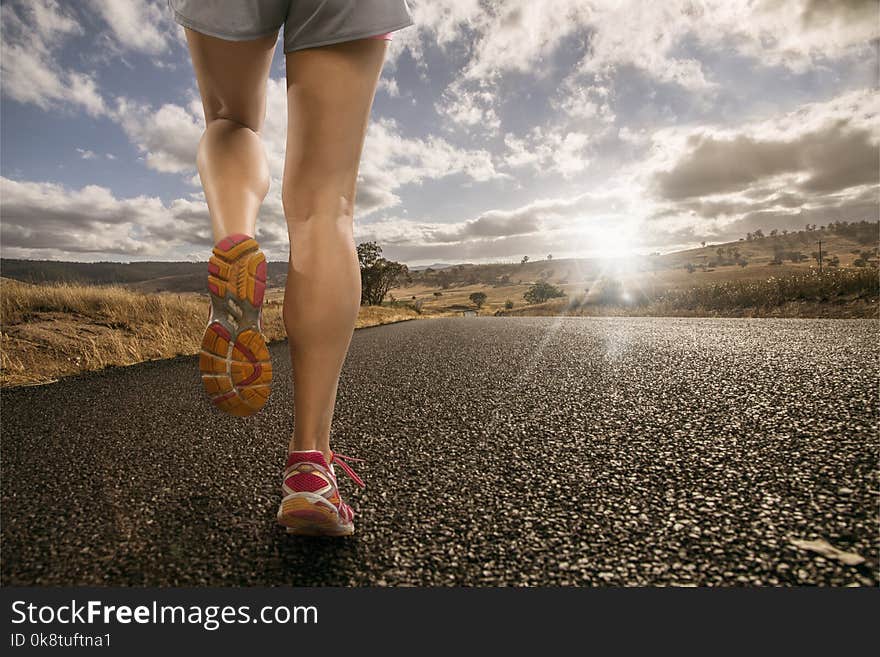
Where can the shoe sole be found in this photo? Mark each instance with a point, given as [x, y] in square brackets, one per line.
[309, 514]
[234, 361]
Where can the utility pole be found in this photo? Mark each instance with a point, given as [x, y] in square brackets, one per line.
[820, 256]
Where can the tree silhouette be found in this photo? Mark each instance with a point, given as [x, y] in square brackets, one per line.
[478, 299]
[542, 291]
[378, 275]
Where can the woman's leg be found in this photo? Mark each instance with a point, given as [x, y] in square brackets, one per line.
[329, 92]
[231, 160]
[234, 361]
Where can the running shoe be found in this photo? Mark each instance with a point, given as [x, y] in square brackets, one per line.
[234, 360]
[312, 505]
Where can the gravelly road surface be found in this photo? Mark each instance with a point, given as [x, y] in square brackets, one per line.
[499, 451]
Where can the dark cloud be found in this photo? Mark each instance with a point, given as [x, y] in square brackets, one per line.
[785, 211]
[835, 158]
[818, 13]
[373, 194]
[783, 201]
[767, 220]
[492, 224]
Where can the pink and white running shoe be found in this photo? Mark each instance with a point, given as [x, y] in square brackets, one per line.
[312, 505]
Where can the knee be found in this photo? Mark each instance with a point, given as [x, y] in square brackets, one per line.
[219, 129]
[305, 204]
[222, 111]
[221, 132]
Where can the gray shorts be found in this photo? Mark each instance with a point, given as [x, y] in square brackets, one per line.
[307, 23]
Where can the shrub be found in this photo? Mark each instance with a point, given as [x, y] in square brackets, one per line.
[478, 299]
[542, 291]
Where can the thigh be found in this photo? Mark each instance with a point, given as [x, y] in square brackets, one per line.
[329, 94]
[232, 76]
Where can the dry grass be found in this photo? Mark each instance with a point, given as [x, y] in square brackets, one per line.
[843, 293]
[50, 331]
[789, 290]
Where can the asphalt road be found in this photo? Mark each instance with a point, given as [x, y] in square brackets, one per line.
[499, 451]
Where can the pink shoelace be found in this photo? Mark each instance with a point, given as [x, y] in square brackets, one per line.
[346, 468]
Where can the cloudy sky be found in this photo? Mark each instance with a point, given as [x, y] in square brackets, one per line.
[501, 129]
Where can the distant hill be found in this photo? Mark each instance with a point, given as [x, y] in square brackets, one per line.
[435, 265]
[142, 276]
[849, 243]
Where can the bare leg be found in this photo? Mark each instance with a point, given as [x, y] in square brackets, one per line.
[329, 92]
[231, 160]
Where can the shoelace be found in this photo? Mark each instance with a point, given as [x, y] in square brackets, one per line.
[346, 468]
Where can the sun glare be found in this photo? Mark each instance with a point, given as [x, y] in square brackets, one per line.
[608, 242]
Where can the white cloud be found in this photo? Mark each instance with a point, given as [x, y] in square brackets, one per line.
[168, 136]
[86, 221]
[654, 37]
[32, 72]
[86, 154]
[389, 86]
[471, 106]
[557, 152]
[391, 161]
[138, 25]
[42, 218]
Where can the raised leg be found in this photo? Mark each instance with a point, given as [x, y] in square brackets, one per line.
[231, 159]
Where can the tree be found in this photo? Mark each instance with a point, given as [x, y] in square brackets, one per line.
[478, 299]
[508, 304]
[549, 256]
[524, 260]
[541, 291]
[378, 275]
[778, 254]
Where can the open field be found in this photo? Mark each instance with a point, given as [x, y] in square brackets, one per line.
[50, 331]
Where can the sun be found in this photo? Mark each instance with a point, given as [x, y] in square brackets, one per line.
[611, 241]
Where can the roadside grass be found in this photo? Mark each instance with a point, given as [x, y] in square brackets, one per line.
[831, 285]
[807, 293]
[50, 331]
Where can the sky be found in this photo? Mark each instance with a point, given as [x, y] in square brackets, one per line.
[500, 129]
